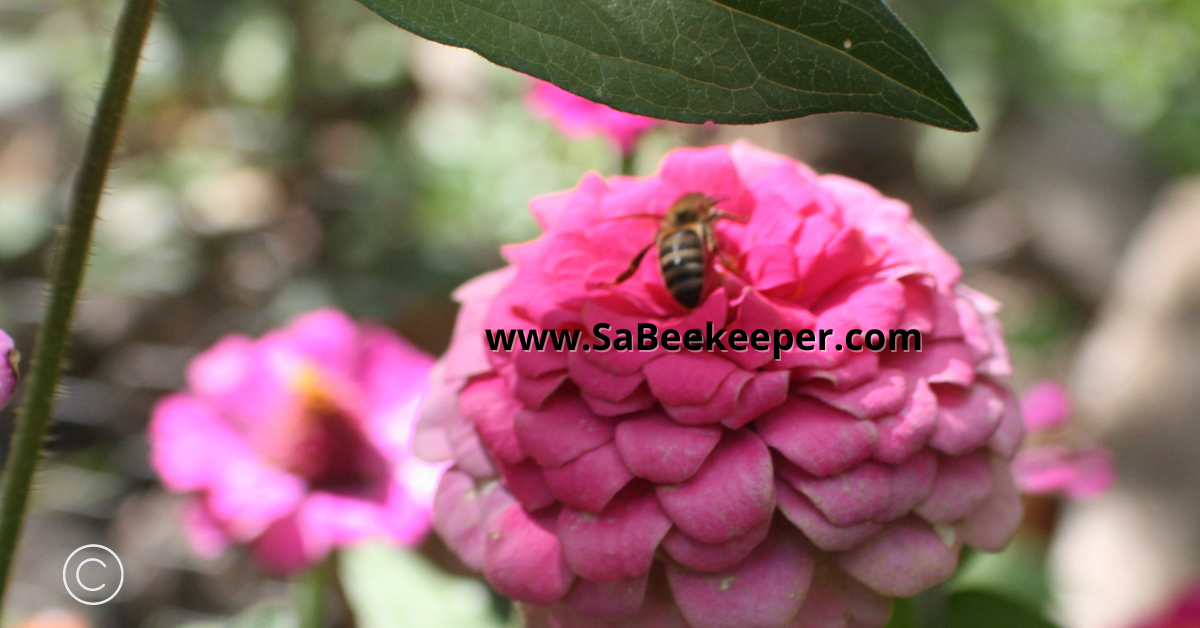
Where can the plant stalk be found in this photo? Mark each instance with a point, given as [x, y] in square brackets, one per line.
[312, 591]
[70, 261]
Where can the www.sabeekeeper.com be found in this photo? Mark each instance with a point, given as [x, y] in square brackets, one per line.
[647, 338]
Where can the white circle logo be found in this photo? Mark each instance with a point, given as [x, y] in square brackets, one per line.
[92, 575]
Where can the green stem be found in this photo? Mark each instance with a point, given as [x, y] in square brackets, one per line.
[627, 162]
[312, 590]
[70, 260]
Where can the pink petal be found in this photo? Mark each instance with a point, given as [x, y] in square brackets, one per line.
[820, 439]
[767, 390]
[906, 432]
[912, 481]
[608, 600]
[523, 560]
[852, 497]
[722, 404]
[589, 481]
[1080, 474]
[996, 520]
[8, 367]
[491, 408]
[660, 450]
[686, 378]
[462, 514]
[600, 383]
[962, 483]
[731, 493]
[939, 362]
[617, 543]
[763, 591]
[205, 534]
[826, 536]
[1044, 405]
[281, 548]
[1006, 440]
[561, 431]
[904, 559]
[714, 557]
[189, 443]
[885, 394]
[836, 600]
[966, 419]
[526, 483]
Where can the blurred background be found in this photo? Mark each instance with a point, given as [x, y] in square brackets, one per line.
[281, 155]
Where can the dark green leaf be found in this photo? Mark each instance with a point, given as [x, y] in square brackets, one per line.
[729, 61]
[980, 609]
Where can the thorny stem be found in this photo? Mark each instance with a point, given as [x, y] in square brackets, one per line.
[70, 260]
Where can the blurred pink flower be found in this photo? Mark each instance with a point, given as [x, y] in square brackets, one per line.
[1079, 473]
[722, 489]
[1184, 613]
[8, 368]
[576, 116]
[299, 442]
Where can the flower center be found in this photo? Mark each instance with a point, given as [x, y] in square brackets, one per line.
[325, 444]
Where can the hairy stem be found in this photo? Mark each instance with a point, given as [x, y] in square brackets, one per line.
[70, 260]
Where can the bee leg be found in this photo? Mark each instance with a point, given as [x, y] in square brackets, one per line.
[710, 243]
[717, 215]
[633, 266]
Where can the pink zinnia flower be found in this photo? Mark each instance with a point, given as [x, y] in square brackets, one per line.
[8, 368]
[1045, 469]
[724, 489]
[576, 116]
[299, 442]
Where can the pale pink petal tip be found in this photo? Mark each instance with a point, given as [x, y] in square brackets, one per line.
[1045, 405]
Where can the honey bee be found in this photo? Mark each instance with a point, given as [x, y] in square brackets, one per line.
[686, 245]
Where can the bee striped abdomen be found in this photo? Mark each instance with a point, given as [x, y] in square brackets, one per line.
[682, 260]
